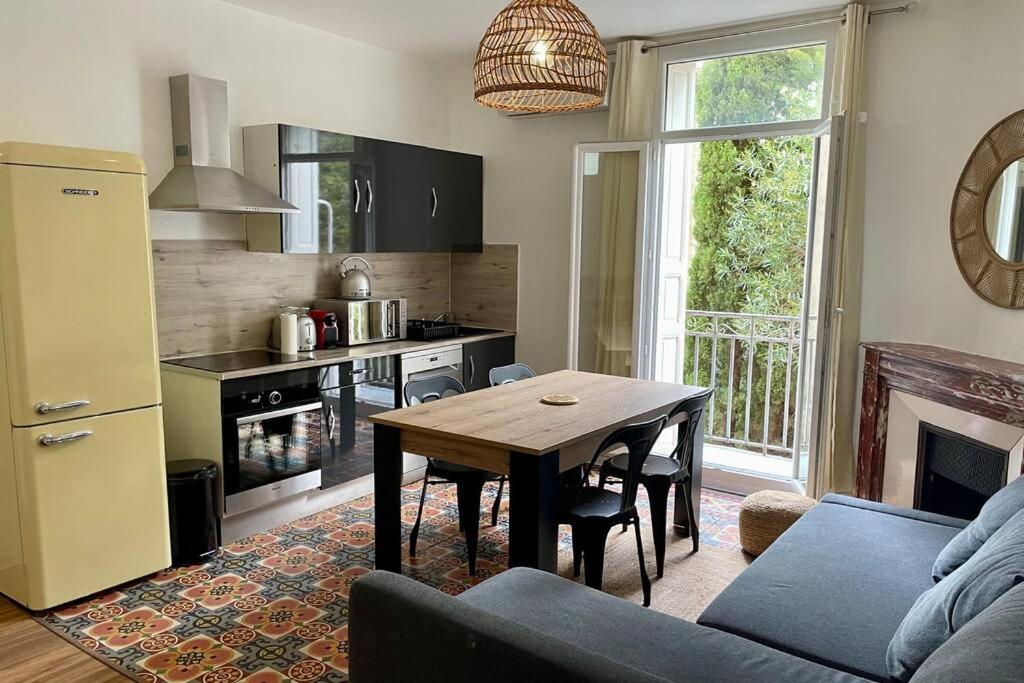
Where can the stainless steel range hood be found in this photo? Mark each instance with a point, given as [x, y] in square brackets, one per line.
[202, 179]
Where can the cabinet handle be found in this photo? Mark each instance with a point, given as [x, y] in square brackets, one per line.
[369, 197]
[472, 370]
[44, 408]
[330, 423]
[433, 211]
[51, 440]
[359, 195]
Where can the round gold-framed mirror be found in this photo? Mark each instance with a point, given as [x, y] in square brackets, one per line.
[987, 218]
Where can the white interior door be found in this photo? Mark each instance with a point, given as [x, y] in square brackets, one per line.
[819, 314]
[609, 243]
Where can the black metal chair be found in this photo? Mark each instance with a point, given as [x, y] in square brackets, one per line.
[506, 374]
[469, 482]
[593, 511]
[661, 472]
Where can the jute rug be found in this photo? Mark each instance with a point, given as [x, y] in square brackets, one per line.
[691, 581]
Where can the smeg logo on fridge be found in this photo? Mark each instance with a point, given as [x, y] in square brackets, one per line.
[81, 192]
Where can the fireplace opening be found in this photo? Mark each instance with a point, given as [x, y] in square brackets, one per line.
[955, 474]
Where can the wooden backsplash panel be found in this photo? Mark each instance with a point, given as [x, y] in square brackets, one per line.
[214, 296]
[485, 287]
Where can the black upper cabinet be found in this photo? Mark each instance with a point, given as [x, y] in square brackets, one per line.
[396, 206]
[361, 195]
[456, 201]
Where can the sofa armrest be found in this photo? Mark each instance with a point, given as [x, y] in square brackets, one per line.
[884, 508]
[400, 629]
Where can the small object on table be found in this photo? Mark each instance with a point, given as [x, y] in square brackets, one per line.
[560, 399]
[766, 514]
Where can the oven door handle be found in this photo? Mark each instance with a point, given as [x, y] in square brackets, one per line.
[295, 410]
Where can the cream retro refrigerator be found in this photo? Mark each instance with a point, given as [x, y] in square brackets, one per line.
[83, 500]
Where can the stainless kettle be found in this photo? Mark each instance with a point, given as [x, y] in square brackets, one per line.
[355, 283]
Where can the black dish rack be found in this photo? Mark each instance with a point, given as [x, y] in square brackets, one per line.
[427, 330]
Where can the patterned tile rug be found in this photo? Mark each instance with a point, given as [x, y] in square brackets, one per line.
[274, 606]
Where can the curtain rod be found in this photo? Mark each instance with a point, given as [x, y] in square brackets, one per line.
[902, 9]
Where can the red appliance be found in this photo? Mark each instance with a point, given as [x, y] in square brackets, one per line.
[326, 328]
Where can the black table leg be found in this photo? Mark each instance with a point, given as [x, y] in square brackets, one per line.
[697, 477]
[533, 510]
[387, 494]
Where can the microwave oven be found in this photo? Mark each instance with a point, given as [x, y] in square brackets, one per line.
[366, 321]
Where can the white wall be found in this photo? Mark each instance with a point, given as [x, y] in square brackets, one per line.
[94, 74]
[527, 200]
[937, 80]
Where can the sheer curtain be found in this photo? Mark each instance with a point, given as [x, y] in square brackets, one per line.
[630, 118]
[836, 463]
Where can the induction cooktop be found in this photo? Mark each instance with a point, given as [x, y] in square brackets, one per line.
[238, 360]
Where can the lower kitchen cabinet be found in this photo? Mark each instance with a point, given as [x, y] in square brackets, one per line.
[351, 394]
[479, 357]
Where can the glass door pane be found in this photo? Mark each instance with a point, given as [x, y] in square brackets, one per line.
[732, 242]
[608, 239]
[815, 394]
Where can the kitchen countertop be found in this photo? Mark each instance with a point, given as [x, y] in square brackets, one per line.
[340, 355]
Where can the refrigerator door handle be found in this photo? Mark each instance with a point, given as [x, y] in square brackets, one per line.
[51, 440]
[44, 408]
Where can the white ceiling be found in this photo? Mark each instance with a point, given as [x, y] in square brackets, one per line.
[443, 30]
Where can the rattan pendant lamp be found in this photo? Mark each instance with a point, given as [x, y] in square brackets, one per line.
[541, 56]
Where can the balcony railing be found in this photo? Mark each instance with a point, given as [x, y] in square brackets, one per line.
[753, 362]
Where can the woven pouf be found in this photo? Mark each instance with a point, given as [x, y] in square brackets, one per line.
[766, 514]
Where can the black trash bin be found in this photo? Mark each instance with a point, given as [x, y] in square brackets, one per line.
[191, 502]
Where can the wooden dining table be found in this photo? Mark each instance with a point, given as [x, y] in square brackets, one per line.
[509, 430]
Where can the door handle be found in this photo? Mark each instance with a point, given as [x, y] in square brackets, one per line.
[359, 195]
[44, 408]
[433, 211]
[369, 197]
[51, 440]
[331, 420]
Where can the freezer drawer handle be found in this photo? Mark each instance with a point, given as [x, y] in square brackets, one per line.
[45, 408]
[51, 440]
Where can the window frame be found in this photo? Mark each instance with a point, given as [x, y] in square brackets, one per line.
[716, 48]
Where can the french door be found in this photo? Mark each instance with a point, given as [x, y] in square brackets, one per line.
[820, 315]
[608, 299]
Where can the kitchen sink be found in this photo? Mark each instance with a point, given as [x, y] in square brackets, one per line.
[465, 331]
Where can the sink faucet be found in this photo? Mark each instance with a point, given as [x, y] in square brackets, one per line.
[443, 317]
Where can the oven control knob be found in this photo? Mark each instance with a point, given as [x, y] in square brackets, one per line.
[275, 397]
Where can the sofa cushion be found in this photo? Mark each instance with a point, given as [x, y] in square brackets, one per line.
[836, 585]
[909, 513]
[953, 602]
[1007, 502]
[987, 649]
[632, 635]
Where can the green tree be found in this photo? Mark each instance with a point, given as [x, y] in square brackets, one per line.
[750, 221]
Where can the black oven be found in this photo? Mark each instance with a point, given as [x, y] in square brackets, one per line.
[272, 438]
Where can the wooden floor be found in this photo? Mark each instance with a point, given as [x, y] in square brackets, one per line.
[29, 652]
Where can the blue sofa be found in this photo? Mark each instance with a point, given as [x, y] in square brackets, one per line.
[821, 604]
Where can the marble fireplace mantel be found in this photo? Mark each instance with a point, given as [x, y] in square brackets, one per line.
[983, 386]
